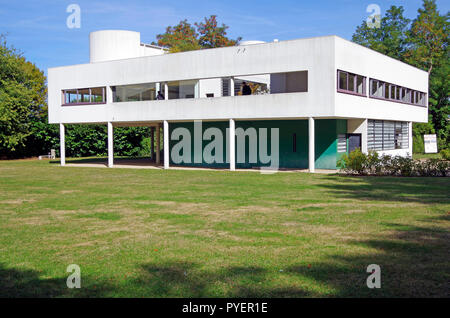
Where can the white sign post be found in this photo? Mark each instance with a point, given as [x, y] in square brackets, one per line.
[430, 143]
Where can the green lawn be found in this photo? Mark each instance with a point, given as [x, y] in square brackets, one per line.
[427, 156]
[176, 233]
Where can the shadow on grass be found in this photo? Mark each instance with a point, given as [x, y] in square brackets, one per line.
[16, 283]
[414, 262]
[402, 189]
[186, 279]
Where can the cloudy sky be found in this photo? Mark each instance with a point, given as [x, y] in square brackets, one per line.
[38, 28]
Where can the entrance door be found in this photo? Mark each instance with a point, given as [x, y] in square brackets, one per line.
[354, 141]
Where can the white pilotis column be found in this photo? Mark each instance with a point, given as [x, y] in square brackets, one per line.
[158, 144]
[62, 144]
[231, 86]
[152, 142]
[410, 139]
[166, 91]
[311, 151]
[231, 151]
[166, 144]
[110, 145]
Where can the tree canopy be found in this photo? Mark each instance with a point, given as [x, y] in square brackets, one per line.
[202, 35]
[423, 43]
[390, 38]
[23, 94]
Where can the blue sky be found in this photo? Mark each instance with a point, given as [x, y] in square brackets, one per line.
[38, 28]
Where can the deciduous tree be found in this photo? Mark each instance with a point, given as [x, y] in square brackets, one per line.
[203, 35]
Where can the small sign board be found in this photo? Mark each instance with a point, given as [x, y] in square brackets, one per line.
[430, 143]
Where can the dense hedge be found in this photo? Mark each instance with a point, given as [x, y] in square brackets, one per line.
[86, 140]
[360, 163]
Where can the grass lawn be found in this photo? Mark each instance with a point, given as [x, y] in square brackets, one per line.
[427, 156]
[176, 233]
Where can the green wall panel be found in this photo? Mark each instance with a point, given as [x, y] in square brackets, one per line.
[326, 131]
[326, 142]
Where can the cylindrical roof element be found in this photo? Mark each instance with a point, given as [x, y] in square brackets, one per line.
[108, 45]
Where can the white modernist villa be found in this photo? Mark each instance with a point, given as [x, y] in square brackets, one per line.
[315, 98]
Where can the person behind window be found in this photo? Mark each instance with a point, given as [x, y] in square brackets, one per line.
[246, 90]
[160, 96]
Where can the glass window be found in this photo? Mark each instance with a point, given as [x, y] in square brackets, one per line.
[71, 97]
[387, 135]
[387, 91]
[351, 82]
[84, 96]
[183, 89]
[376, 88]
[342, 143]
[342, 80]
[360, 84]
[398, 92]
[97, 94]
[134, 93]
[393, 91]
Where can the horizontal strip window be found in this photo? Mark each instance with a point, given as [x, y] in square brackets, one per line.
[84, 96]
[137, 92]
[351, 83]
[396, 93]
[387, 135]
[183, 89]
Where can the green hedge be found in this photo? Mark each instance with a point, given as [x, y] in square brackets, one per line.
[85, 140]
[371, 163]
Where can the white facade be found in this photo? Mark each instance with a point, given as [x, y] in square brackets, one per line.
[118, 58]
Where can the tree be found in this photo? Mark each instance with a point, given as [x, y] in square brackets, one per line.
[429, 37]
[390, 38]
[185, 37]
[22, 98]
[180, 38]
[212, 36]
[423, 44]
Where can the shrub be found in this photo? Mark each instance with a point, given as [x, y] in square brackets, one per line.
[374, 165]
[359, 163]
[445, 154]
[354, 162]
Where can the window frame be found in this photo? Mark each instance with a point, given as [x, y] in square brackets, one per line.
[410, 94]
[355, 84]
[78, 103]
[399, 140]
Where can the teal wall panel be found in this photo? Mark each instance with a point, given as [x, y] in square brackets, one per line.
[289, 156]
[326, 131]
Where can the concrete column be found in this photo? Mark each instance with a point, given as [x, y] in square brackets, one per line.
[231, 86]
[109, 94]
[166, 91]
[232, 141]
[110, 145]
[311, 151]
[158, 145]
[62, 144]
[410, 139]
[166, 145]
[152, 142]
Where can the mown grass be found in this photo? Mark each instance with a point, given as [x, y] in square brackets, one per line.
[155, 233]
[427, 156]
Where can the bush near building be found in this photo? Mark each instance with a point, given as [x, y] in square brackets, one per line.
[372, 163]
